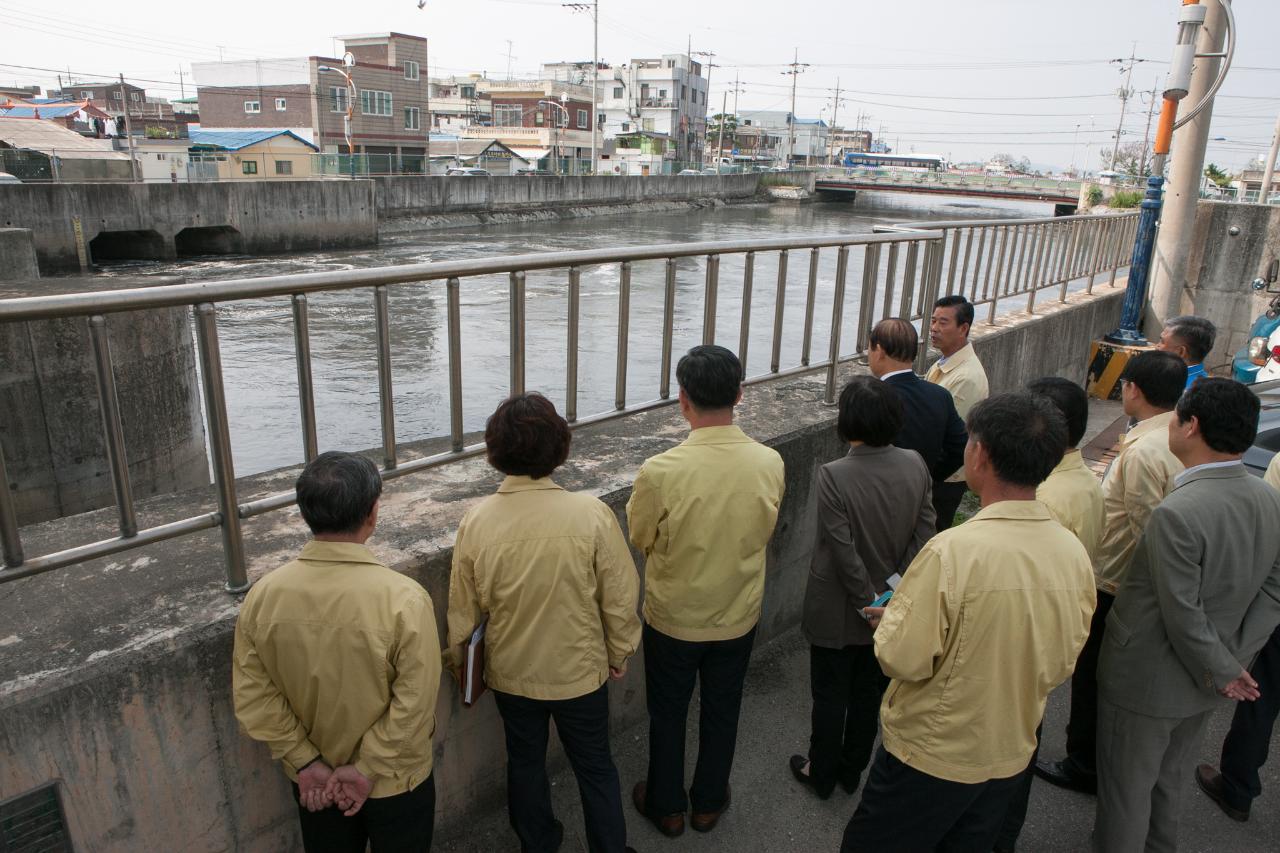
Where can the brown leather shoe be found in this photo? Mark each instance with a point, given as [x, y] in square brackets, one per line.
[1210, 781]
[706, 821]
[670, 825]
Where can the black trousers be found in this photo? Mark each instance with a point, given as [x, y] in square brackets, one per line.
[906, 811]
[1016, 815]
[946, 500]
[670, 668]
[1082, 724]
[847, 685]
[403, 823]
[583, 726]
[1245, 749]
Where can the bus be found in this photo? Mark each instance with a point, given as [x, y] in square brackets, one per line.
[911, 162]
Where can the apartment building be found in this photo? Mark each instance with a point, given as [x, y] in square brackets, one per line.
[667, 95]
[801, 141]
[117, 99]
[539, 119]
[387, 98]
[457, 103]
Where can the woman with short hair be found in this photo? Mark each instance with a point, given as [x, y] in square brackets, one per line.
[874, 513]
[552, 574]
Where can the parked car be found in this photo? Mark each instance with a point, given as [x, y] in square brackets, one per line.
[1267, 444]
[1259, 359]
[468, 171]
[688, 172]
[6, 178]
[710, 170]
[535, 172]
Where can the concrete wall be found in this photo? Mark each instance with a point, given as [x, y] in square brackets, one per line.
[271, 216]
[1221, 268]
[408, 195]
[51, 425]
[122, 690]
[18, 254]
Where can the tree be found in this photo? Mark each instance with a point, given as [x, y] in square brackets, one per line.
[1021, 165]
[1129, 160]
[730, 123]
[1215, 174]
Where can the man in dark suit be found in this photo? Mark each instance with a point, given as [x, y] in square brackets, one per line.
[1199, 600]
[932, 426]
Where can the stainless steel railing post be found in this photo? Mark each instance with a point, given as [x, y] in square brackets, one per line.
[224, 475]
[575, 304]
[890, 278]
[810, 298]
[779, 306]
[453, 299]
[867, 298]
[386, 401]
[306, 390]
[837, 317]
[907, 300]
[709, 300]
[668, 322]
[10, 538]
[624, 326]
[744, 328]
[112, 428]
[516, 297]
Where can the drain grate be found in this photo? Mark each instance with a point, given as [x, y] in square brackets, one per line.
[33, 823]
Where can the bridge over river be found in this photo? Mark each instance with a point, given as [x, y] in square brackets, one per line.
[834, 182]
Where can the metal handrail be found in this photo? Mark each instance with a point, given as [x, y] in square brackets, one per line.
[916, 275]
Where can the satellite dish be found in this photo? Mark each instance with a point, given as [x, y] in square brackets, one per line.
[349, 59]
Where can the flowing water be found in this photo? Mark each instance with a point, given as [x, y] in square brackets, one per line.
[257, 341]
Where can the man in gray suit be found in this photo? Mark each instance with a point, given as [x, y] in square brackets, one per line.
[1201, 598]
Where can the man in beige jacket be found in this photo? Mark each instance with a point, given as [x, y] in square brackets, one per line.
[961, 373]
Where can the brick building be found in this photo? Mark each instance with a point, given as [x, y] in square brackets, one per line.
[309, 96]
[524, 122]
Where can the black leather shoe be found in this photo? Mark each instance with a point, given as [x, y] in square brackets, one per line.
[1061, 774]
[559, 835]
[1210, 781]
[798, 764]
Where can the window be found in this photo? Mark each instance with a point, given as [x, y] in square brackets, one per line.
[662, 93]
[617, 92]
[626, 127]
[684, 93]
[468, 92]
[86, 96]
[410, 70]
[280, 105]
[133, 96]
[283, 167]
[538, 117]
[412, 119]
[249, 167]
[508, 115]
[375, 103]
[582, 119]
[253, 106]
[116, 94]
[338, 98]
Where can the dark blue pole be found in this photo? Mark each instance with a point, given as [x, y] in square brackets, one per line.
[1135, 296]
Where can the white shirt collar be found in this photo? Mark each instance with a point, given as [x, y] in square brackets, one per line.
[1182, 476]
[895, 373]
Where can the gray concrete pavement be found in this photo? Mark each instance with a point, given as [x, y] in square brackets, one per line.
[771, 812]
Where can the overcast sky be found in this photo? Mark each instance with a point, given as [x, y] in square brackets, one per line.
[963, 79]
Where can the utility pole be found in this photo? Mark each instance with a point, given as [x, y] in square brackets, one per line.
[509, 58]
[128, 132]
[1269, 173]
[797, 68]
[710, 55]
[1146, 134]
[594, 9]
[1126, 92]
[724, 105]
[182, 89]
[831, 134]
[1182, 194]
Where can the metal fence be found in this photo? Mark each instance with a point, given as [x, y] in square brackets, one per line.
[902, 272]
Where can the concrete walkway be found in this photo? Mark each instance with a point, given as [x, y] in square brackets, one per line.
[772, 812]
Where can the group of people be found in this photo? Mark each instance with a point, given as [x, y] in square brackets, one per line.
[337, 660]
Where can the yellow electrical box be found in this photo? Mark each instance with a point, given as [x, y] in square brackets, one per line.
[1106, 363]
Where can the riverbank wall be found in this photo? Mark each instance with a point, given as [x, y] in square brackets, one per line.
[99, 222]
[115, 674]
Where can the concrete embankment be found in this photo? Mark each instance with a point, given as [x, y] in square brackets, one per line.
[165, 221]
[115, 675]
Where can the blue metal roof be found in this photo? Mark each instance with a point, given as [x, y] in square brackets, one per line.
[45, 112]
[234, 140]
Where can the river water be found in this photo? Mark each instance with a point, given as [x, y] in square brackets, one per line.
[257, 343]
